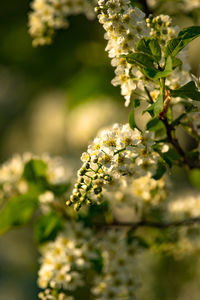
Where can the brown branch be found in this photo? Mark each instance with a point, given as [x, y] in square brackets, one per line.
[146, 8]
[171, 137]
[175, 143]
[166, 105]
[164, 225]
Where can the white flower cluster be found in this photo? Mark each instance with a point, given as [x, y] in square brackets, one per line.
[118, 279]
[65, 260]
[175, 5]
[50, 15]
[12, 183]
[134, 196]
[162, 28]
[48, 295]
[124, 26]
[116, 157]
[185, 204]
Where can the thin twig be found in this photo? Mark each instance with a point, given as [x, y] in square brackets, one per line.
[163, 225]
[170, 132]
[146, 8]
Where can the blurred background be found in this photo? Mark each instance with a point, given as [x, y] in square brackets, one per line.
[54, 99]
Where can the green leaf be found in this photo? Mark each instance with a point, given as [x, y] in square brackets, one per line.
[143, 45]
[132, 124]
[158, 106]
[131, 120]
[98, 262]
[141, 60]
[193, 155]
[47, 227]
[155, 49]
[35, 175]
[155, 74]
[157, 127]
[151, 47]
[189, 90]
[176, 62]
[171, 157]
[137, 240]
[175, 45]
[34, 169]
[17, 211]
[58, 189]
[150, 110]
[161, 169]
[194, 176]
[154, 124]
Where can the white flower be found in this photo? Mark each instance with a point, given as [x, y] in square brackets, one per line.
[49, 15]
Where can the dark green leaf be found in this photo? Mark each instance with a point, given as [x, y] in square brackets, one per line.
[175, 45]
[155, 49]
[98, 262]
[161, 169]
[151, 47]
[171, 157]
[34, 169]
[141, 60]
[132, 120]
[176, 62]
[47, 227]
[158, 106]
[132, 124]
[150, 110]
[193, 155]
[155, 74]
[189, 90]
[154, 124]
[137, 240]
[157, 127]
[17, 211]
[58, 189]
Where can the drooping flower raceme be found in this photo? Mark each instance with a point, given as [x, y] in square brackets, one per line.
[124, 26]
[50, 15]
[65, 260]
[116, 156]
[118, 279]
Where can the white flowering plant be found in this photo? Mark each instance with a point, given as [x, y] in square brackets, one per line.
[122, 203]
